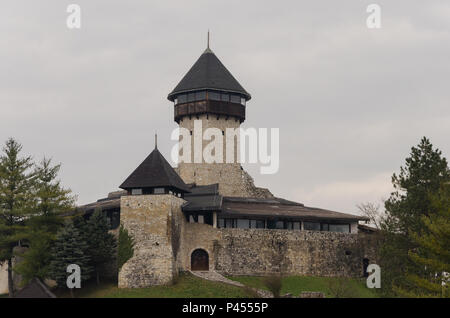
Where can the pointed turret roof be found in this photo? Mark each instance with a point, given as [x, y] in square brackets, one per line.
[208, 73]
[153, 172]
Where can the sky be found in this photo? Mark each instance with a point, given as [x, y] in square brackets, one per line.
[349, 101]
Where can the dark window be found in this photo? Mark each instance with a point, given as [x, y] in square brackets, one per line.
[229, 223]
[200, 95]
[136, 191]
[191, 97]
[113, 219]
[311, 226]
[225, 97]
[325, 227]
[343, 228]
[159, 191]
[182, 99]
[213, 96]
[271, 224]
[279, 225]
[221, 223]
[293, 225]
[365, 265]
[243, 224]
[235, 99]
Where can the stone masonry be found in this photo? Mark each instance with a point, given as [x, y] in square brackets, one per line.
[150, 220]
[264, 252]
[232, 178]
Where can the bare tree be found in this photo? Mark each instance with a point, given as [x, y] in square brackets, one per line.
[373, 212]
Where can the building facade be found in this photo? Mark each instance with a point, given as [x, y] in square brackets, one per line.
[211, 216]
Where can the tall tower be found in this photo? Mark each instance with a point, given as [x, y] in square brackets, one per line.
[210, 93]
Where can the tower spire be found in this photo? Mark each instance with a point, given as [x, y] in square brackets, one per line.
[208, 50]
[156, 140]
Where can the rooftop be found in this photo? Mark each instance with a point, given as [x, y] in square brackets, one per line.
[208, 73]
[153, 172]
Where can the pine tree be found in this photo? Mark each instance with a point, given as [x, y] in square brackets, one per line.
[16, 182]
[69, 248]
[101, 243]
[433, 251]
[125, 248]
[50, 201]
[424, 172]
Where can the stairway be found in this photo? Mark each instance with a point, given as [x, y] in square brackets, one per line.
[216, 277]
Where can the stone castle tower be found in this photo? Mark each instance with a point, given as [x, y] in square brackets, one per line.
[210, 93]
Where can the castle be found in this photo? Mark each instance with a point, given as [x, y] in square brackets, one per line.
[211, 217]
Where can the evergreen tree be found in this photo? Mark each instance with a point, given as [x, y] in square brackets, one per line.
[16, 182]
[50, 200]
[433, 251]
[125, 249]
[424, 172]
[69, 248]
[101, 243]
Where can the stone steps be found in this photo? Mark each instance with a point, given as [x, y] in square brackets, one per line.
[216, 277]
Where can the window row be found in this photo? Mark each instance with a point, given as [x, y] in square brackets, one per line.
[210, 95]
[282, 225]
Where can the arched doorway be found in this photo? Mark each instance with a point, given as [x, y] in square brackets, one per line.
[199, 260]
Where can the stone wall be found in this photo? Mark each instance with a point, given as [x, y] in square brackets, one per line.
[148, 219]
[262, 252]
[232, 179]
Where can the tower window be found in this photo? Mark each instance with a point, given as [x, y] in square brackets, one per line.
[182, 98]
[191, 97]
[235, 99]
[225, 97]
[200, 95]
[243, 101]
[214, 96]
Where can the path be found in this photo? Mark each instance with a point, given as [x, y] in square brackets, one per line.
[216, 277]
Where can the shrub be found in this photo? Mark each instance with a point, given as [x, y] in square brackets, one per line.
[273, 284]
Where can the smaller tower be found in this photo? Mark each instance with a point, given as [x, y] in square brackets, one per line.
[151, 212]
[154, 176]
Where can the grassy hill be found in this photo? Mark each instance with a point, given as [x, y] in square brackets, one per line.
[330, 286]
[188, 286]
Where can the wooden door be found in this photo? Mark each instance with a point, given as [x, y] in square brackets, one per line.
[199, 260]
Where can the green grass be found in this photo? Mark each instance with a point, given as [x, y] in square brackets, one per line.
[3, 295]
[187, 286]
[297, 284]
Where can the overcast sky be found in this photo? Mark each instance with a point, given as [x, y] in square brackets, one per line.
[349, 101]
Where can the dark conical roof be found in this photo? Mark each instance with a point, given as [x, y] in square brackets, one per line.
[208, 73]
[154, 171]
